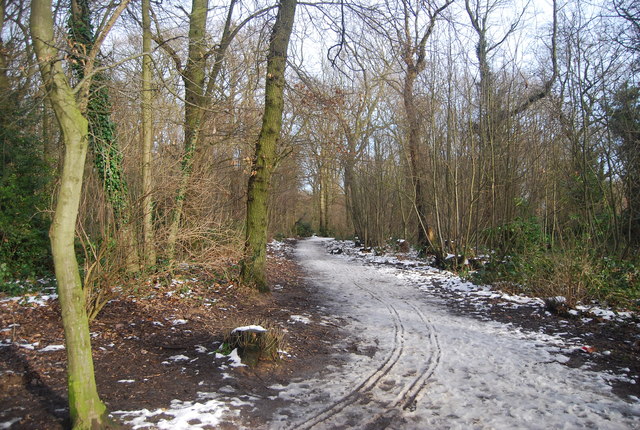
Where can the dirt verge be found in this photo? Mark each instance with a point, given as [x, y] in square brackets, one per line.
[139, 342]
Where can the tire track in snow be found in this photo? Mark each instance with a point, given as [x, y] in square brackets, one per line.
[411, 394]
[370, 381]
[410, 391]
[409, 399]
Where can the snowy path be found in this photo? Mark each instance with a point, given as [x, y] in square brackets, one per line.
[413, 365]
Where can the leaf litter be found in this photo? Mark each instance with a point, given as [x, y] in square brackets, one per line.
[479, 357]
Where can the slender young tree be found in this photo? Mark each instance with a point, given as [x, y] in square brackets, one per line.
[86, 409]
[147, 139]
[253, 265]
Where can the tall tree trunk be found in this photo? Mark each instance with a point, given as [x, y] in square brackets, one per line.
[414, 58]
[413, 123]
[255, 253]
[147, 139]
[86, 409]
[322, 184]
[193, 78]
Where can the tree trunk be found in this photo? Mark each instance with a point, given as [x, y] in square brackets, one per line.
[4, 79]
[103, 137]
[86, 409]
[253, 265]
[193, 78]
[147, 139]
[322, 229]
[414, 143]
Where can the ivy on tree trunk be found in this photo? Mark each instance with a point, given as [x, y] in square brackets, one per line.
[103, 139]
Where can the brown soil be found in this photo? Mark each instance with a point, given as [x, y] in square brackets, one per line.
[134, 337]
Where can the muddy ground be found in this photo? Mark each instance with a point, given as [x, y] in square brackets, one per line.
[135, 338]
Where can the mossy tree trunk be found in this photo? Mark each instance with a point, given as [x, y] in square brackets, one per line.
[147, 139]
[86, 409]
[253, 265]
[193, 77]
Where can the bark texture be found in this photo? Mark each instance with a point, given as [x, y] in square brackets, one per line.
[86, 409]
[253, 266]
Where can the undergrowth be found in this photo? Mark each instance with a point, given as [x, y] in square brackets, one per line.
[528, 265]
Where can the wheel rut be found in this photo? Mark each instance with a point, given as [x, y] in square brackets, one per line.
[368, 383]
[372, 388]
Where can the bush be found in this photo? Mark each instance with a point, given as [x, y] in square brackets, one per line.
[577, 275]
[24, 224]
[519, 236]
[303, 229]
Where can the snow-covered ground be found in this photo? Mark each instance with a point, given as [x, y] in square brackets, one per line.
[410, 363]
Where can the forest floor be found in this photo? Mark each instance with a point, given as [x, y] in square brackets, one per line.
[156, 363]
[139, 343]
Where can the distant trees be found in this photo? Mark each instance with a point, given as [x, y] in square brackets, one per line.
[495, 140]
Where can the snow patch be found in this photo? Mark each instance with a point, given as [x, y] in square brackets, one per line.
[8, 424]
[299, 318]
[52, 348]
[206, 412]
[253, 328]
[233, 358]
[178, 357]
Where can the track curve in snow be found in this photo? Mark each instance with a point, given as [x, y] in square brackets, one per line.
[413, 365]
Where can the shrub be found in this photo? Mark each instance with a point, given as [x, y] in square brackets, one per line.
[24, 224]
[303, 229]
[576, 274]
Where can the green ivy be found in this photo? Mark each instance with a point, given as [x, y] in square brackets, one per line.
[102, 130]
[104, 144]
[24, 224]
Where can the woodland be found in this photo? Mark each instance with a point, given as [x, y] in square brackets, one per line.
[499, 137]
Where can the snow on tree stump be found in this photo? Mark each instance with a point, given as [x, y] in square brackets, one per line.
[250, 341]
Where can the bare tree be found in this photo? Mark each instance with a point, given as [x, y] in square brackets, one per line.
[253, 265]
[86, 409]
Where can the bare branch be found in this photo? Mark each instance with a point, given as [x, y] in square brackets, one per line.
[103, 34]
